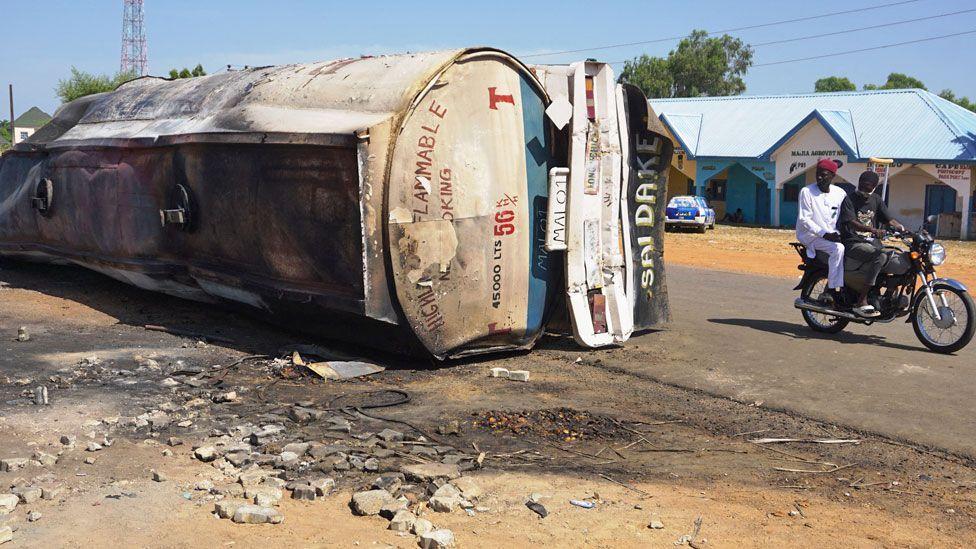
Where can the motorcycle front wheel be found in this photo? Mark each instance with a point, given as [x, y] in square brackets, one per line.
[953, 328]
[813, 291]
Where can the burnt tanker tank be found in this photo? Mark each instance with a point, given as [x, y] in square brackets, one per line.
[400, 201]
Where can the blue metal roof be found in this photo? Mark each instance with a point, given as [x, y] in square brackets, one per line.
[908, 125]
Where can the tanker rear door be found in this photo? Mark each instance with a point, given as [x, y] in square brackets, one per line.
[603, 209]
[596, 260]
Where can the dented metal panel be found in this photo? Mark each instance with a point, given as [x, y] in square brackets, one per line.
[468, 186]
[399, 201]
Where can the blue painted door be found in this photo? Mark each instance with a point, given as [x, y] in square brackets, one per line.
[939, 199]
[762, 204]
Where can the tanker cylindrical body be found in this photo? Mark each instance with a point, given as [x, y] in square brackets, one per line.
[397, 201]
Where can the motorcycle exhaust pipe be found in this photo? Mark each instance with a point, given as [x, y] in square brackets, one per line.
[801, 303]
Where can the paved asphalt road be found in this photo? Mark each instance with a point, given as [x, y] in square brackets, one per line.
[739, 336]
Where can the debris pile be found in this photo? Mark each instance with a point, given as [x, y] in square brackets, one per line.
[262, 452]
[320, 364]
[562, 424]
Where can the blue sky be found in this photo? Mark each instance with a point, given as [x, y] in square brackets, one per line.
[87, 34]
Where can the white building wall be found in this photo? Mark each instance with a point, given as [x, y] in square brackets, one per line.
[906, 200]
[19, 133]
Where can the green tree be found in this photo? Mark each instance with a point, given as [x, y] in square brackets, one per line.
[898, 81]
[82, 83]
[187, 73]
[963, 102]
[698, 66]
[703, 66]
[5, 130]
[651, 74]
[834, 84]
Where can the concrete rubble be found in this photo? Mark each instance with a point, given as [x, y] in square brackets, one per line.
[514, 375]
[261, 453]
[518, 375]
[226, 509]
[8, 502]
[28, 494]
[402, 521]
[370, 502]
[12, 464]
[437, 539]
[256, 514]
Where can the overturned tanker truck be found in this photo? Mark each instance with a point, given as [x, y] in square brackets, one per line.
[448, 203]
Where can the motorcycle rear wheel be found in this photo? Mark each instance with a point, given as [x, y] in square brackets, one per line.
[950, 338]
[826, 324]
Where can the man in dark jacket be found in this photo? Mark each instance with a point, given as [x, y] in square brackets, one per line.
[861, 215]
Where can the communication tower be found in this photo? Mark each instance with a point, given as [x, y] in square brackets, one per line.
[133, 38]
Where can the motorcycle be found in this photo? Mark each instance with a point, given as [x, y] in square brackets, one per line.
[940, 309]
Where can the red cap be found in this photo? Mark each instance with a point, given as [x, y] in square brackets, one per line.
[828, 165]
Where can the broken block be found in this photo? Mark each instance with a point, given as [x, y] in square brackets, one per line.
[519, 375]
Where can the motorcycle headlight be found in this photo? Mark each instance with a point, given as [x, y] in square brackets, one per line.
[937, 254]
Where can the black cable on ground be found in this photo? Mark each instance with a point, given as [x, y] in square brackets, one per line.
[404, 399]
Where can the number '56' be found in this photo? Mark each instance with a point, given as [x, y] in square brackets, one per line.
[503, 223]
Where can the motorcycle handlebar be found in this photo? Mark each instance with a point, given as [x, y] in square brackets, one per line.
[896, 233]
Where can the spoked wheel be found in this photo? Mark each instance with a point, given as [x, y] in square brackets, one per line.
[814, 291]
[952, 328]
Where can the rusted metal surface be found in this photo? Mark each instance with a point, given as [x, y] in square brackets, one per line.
[399, 201]
[288, 172]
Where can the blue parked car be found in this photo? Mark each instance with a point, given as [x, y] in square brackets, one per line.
[689, 211]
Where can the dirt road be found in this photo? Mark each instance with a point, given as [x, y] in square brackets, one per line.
[739, 336]
[637, 449]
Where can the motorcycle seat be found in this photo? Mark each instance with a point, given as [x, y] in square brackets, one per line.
[896, 262]
[849, 263]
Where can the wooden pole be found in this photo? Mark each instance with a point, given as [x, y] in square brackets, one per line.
[10, 89]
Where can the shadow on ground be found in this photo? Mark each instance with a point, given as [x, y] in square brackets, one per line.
[229, 328]
[799, 331]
